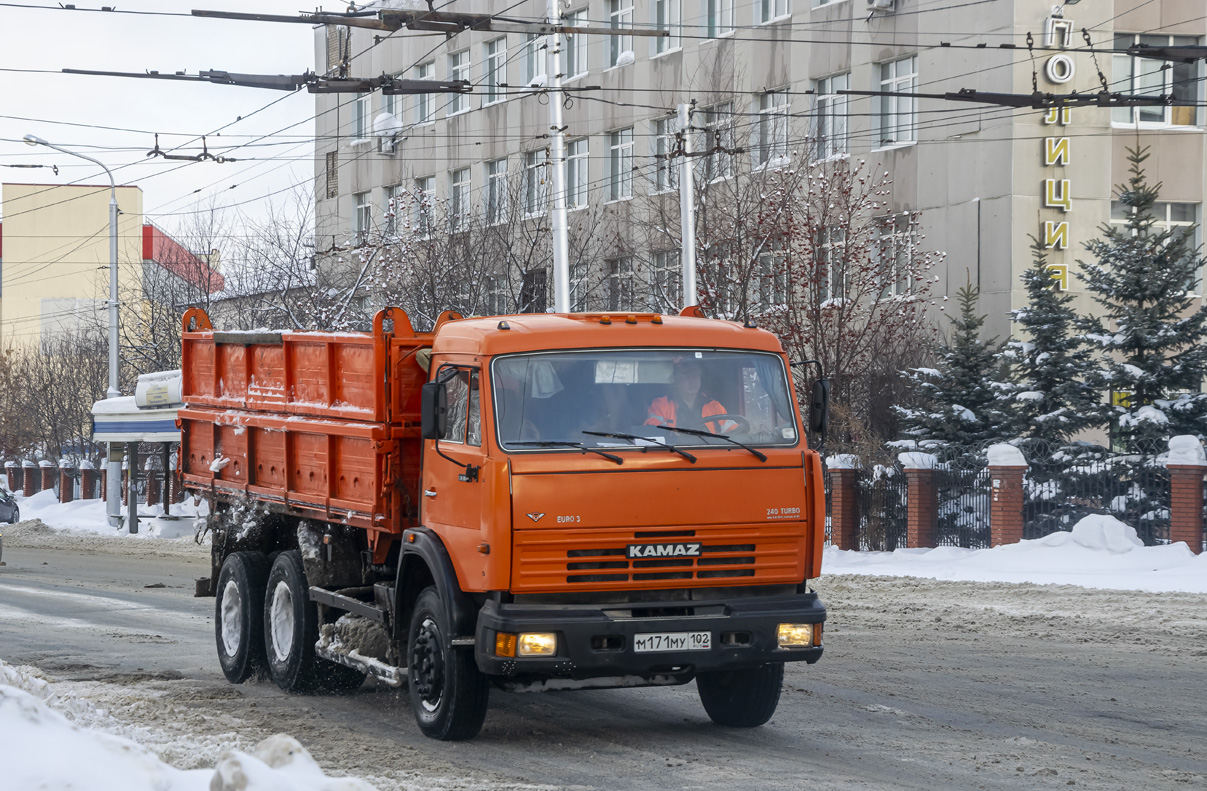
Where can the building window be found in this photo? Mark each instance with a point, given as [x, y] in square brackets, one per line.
[579, 287]
[1152, 77]
[1178, 218]
[459, 199]
[622, 291]
[773, 282]
[362, 116]
[495, 299]
[534, 290]
[494, 77]
[576, 174]
[666, 172]
[332, 174]
[771, 143]
[771, 10]
[620, 48]
[393, 104]
[458, 69]
[574, 47]
[425, 103]
[830, 273]
[666, 281]
[667, 15]
[391, 207]
[496, 191]
[425, 205]
[830, 117]
[620, 164]
[536, 182]
[364, 216]
[719, 15]
[716, 136]
[534, 61]
[893, 254]
[898, 114]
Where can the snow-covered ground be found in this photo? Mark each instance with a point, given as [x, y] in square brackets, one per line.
[51, 739]
[88, 516]
[1100, 552]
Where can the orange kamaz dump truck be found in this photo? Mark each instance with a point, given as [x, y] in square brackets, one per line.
[524, 502]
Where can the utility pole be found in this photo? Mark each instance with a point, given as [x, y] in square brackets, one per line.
[557, 161]
[687, 210]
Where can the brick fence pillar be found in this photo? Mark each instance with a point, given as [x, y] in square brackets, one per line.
[1186, 465]
[844, 501]
[88, 480]
[11, 472]
[30, 478]
[66, 482]
[1007, 468]
[49, 472]
[922, 499]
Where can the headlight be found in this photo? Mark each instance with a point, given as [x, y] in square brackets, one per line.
[794, 635]
[537, 644]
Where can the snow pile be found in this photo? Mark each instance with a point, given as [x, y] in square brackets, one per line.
[916, 460]
[1186, 449]
[88, 516]
[842, 461]
[35, 739]
[386, 125]
[625, 58]
[1003, 455]
[1100, 552]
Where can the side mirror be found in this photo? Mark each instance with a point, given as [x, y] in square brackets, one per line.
[433, 410]
[819, 407]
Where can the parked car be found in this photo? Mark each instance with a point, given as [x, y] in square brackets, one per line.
[9, 512]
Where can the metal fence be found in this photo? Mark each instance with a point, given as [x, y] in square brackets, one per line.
[965, 497]
[882, 498]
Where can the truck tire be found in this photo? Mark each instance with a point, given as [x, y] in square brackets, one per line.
[448, 692]
[239, 615]
[741, 698]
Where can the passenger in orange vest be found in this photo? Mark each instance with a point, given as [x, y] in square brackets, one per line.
[687, 406]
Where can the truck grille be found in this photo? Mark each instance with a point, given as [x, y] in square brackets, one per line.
[758, 553]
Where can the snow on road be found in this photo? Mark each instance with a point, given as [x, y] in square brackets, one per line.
[46, 743]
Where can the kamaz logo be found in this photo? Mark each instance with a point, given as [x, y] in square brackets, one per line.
[663, 551]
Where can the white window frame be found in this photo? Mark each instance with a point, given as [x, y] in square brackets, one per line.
[1128, 76]
[578, 170]
[494, 71]
[496, 191]
[495, 295]
[666, 280]
[362, 216]
[534, 59]
[620, 15]
[460, 182]
[425, 205]
[425, 103]
[391, 206]
[666, 15]
[718, 18]
[773, 10]
[458, 69]
[771, 141]
[773, 281]
[831, 119]
[620, 164]
[395, 104]
[1162, 212]
[666, 169]
[621, 283]
[831, 283]
[898, 115]
[536, 182]
[719, 165]
[580, 287]
[362, 116]
[896, 236]
[574, 62]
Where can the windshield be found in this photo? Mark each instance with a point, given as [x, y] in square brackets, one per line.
[574, 397]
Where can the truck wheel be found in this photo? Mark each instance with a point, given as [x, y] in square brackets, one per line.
[741, 698]
[239, 615]
[448, 693]
[290, 625]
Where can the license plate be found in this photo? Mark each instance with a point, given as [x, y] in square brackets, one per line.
[672, 641]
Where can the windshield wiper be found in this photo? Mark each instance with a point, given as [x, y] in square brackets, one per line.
[633, 438]
[699, 433]
[565, 443]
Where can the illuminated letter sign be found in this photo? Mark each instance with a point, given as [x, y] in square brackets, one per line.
[1056, 151]
[1056, 194]
[1056, 234]
[1062, 116]
[1060, 273]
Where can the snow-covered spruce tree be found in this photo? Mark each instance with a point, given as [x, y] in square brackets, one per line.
[963, 392]
[1147, 335]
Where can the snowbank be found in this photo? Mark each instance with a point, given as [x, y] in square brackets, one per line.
[1003, 455]
[35, 739]
[88, 516]
[1185, 449]
[1100, 552]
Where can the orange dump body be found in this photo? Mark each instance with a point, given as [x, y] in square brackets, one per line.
[323, 425]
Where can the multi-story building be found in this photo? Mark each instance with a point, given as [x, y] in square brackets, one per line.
[54, 264]
[768, 79]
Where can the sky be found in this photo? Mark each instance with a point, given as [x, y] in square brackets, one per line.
[66, 110]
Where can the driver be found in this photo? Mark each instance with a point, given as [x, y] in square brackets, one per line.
[688, 406]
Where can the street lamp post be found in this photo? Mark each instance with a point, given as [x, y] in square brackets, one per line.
[113, 495]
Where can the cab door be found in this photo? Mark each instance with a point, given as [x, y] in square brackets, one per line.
[452, 489]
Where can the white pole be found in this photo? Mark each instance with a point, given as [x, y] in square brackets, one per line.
[687, 211]
[557, 162]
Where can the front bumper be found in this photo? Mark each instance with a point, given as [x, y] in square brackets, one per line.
[597, 641]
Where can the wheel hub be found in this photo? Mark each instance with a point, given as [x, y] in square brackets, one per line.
[427, 665]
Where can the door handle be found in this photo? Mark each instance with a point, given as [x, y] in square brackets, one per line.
[429, 492]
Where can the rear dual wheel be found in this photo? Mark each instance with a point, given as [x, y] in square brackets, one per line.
[239, 615]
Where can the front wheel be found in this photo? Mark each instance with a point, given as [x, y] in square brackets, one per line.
[16, 516]
[741, 698]
[448, 692]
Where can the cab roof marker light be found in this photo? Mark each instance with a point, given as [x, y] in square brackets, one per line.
[656, 320]
[605, 319]
[631, 319]
[504, 325]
